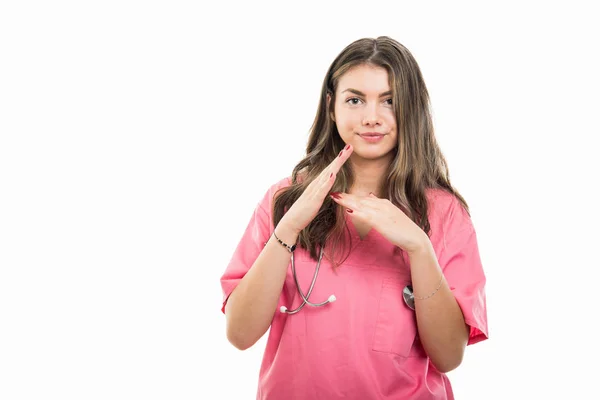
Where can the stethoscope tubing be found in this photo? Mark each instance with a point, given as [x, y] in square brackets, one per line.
[407, 292]
[310, 289]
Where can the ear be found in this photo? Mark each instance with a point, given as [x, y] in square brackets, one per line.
[331, 113]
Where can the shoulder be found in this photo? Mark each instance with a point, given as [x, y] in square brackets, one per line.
[441, 201]
[268, 198]
[447, 216]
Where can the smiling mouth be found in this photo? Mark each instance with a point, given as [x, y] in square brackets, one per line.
[371, 134]
[372, 137]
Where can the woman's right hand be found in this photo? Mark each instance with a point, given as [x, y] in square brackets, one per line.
[305, 209]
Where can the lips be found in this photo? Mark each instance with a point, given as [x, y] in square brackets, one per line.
[372, 137]
[371, 134]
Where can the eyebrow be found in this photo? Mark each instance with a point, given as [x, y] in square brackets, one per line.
[358, 92]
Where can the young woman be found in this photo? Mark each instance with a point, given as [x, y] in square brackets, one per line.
[364, 262]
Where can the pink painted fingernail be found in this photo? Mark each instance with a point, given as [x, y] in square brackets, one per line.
[341, 152]
[336, 195]
[347, 147]
[349, 211]
[331, 175]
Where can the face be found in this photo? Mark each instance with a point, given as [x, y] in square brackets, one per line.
[363, 112]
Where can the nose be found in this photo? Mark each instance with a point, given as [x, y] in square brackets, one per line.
[371, 116]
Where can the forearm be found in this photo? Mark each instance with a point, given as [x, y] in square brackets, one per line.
[441, 325]
[252, 304]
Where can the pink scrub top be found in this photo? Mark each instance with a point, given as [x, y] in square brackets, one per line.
[365, 345]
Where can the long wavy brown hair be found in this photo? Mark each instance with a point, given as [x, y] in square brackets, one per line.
[418, 163]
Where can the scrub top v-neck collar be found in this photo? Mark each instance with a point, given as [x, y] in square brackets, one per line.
[354, 232]
[362, 250]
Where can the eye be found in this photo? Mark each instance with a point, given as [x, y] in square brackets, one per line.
[389, 102]
[353, 101]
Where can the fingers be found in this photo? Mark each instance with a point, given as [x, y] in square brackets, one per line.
[325, 180]
[310, 201]
[360, 208]
[335, 166]
[357, 203]
[342, 157]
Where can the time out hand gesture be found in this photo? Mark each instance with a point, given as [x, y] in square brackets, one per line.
[383, 216]
[305, 209]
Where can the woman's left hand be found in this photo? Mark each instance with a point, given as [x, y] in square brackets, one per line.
[385, 218]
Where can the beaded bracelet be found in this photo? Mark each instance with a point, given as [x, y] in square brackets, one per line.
[290, 248]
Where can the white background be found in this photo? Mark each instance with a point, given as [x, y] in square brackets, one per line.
[137, 138]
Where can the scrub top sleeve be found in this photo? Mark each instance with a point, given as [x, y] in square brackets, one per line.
[257, 233]
[461, 263]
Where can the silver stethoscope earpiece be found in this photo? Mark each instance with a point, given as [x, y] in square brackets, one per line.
[305, 300]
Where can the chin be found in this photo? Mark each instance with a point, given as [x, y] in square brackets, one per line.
[371, 155]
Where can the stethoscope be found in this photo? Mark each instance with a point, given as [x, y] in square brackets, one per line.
[331, 298]
[407, 293]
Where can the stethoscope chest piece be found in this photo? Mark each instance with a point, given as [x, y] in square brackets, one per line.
[408, 296]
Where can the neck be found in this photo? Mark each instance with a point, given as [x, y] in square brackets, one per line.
[368, 175]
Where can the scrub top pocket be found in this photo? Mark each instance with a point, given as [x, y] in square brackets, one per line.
[396, 327]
